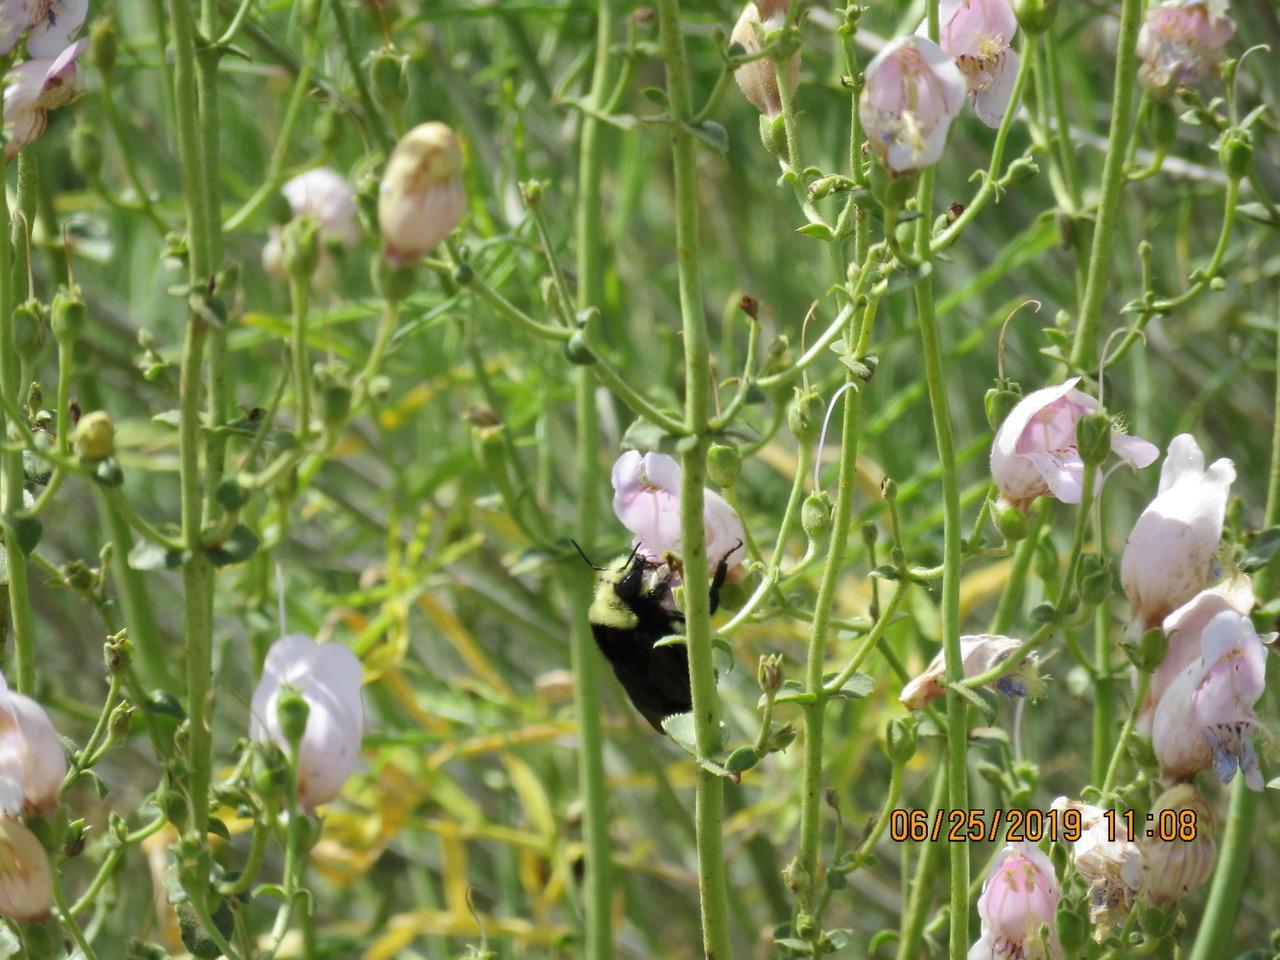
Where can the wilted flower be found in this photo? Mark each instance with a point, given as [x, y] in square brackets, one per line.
[1019, 897]
[1035, 453]
[35, 87]
[26, 878]
[1183, 628]
[324, 195]
[1205, 718]
[1111, 867]
[1169, 554]
[1181, 41]
[1173, 868]
[32, 761]
[978, 34]
[913, 91]
[758, 79]
[646, 498]
[421, 199]
[978, 654]
[328, 677]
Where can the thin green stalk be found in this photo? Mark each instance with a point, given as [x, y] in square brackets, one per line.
[1104, 687]
[1113, 768]
[586, 659]
[1014, 593]
[814, 712]
[957, 714]
[299, 297]
[913, 919]
[709, 813]
[1085, 347]
[373, 116]
[1239, 836]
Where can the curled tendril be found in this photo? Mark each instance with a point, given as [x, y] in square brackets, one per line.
[822, 438]
[1004, 328]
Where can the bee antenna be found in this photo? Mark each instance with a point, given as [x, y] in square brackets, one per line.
[634, 550]
[585, 559]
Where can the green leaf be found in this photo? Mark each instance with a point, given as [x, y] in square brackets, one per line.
[712, 134]
[1265, 546]
[819, 231]
[165, 704]
[27, 532]
[240, 545]
[1258, 212]
[219, 829]
[857, 687]
[643, 435]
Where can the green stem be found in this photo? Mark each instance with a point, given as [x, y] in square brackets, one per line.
[586, 659]
[1014, 593]
[373, 116]
[1113, 181]
[957, 718]
[299, 296]
[1139, 694]
[712, 880]
[913, 920]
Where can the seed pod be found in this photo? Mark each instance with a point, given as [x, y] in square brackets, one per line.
[94, 436]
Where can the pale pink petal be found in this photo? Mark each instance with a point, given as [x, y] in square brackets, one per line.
[991, 102]
[56, 22]
[1062, 474]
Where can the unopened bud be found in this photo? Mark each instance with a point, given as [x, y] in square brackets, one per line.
[769, 673]
[1035, 16]
[815, 515]
[724, 465]
[29, 328]
[104, 45]
[335, 394]
[773, 134]
[1021, 170]
[1093, 437]
[69, 315]
[578, 351]
[388, 78]
[301, 242]
[1000, 401]
[291, 713]
[804, 415]
[86, 150]
[1172, 869]
[1236, 153]
[94, 437]
[758, 79]
[1011, 522]
[900, 739]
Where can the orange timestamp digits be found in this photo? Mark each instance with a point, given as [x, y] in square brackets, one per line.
[976, 826]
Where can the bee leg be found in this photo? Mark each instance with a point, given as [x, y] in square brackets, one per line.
[722, 571]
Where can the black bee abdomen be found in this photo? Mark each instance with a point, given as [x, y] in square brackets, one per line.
[656, 678]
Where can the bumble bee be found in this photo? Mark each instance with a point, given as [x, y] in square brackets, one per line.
[633, 609]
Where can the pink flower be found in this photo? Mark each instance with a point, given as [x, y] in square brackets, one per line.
[328, 677]
[1035, 453]
[1169, 553]
[324, 195]
[1019, 897]
[32, 761]
[1205, 718]
[33, 89]
[26, 876]
[1183, 628]
[977, 34]
[14, 17]
[52, 23]
[646, 498]
[978, 655]
[1181, 41]
[913, 91]
[758, 79]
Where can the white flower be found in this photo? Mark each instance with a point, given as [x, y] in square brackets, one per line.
[1168, 557]
[32, 760]
[328, 677]
[26, 877]
[1172, 869]
[1111, 867]
[52, 24]
[421, 199]
[978, 654]
[912, 92]
[978, 34]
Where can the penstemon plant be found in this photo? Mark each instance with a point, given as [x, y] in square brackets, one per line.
[930, 380]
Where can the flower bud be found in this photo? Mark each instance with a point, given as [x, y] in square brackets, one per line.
[804, 415]
[1000, 401]
[94, 437]
[421, 198]
[69, 315]
[388, 78]
[26, 877]
[1035, 16]
[1173, 868]
[394, 282]
[104, 45]
[773, 134]
[300, 243]
[1093, 579]
[1021, 170]
[291, 714]
[724, 465]
[1012, 523]
[900, 740]
[1236, 153]
[335, 394]
[1162, 120]
[29, 327]
[1093, 437]
[758, 80]
[815, 515]
[769, 673]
